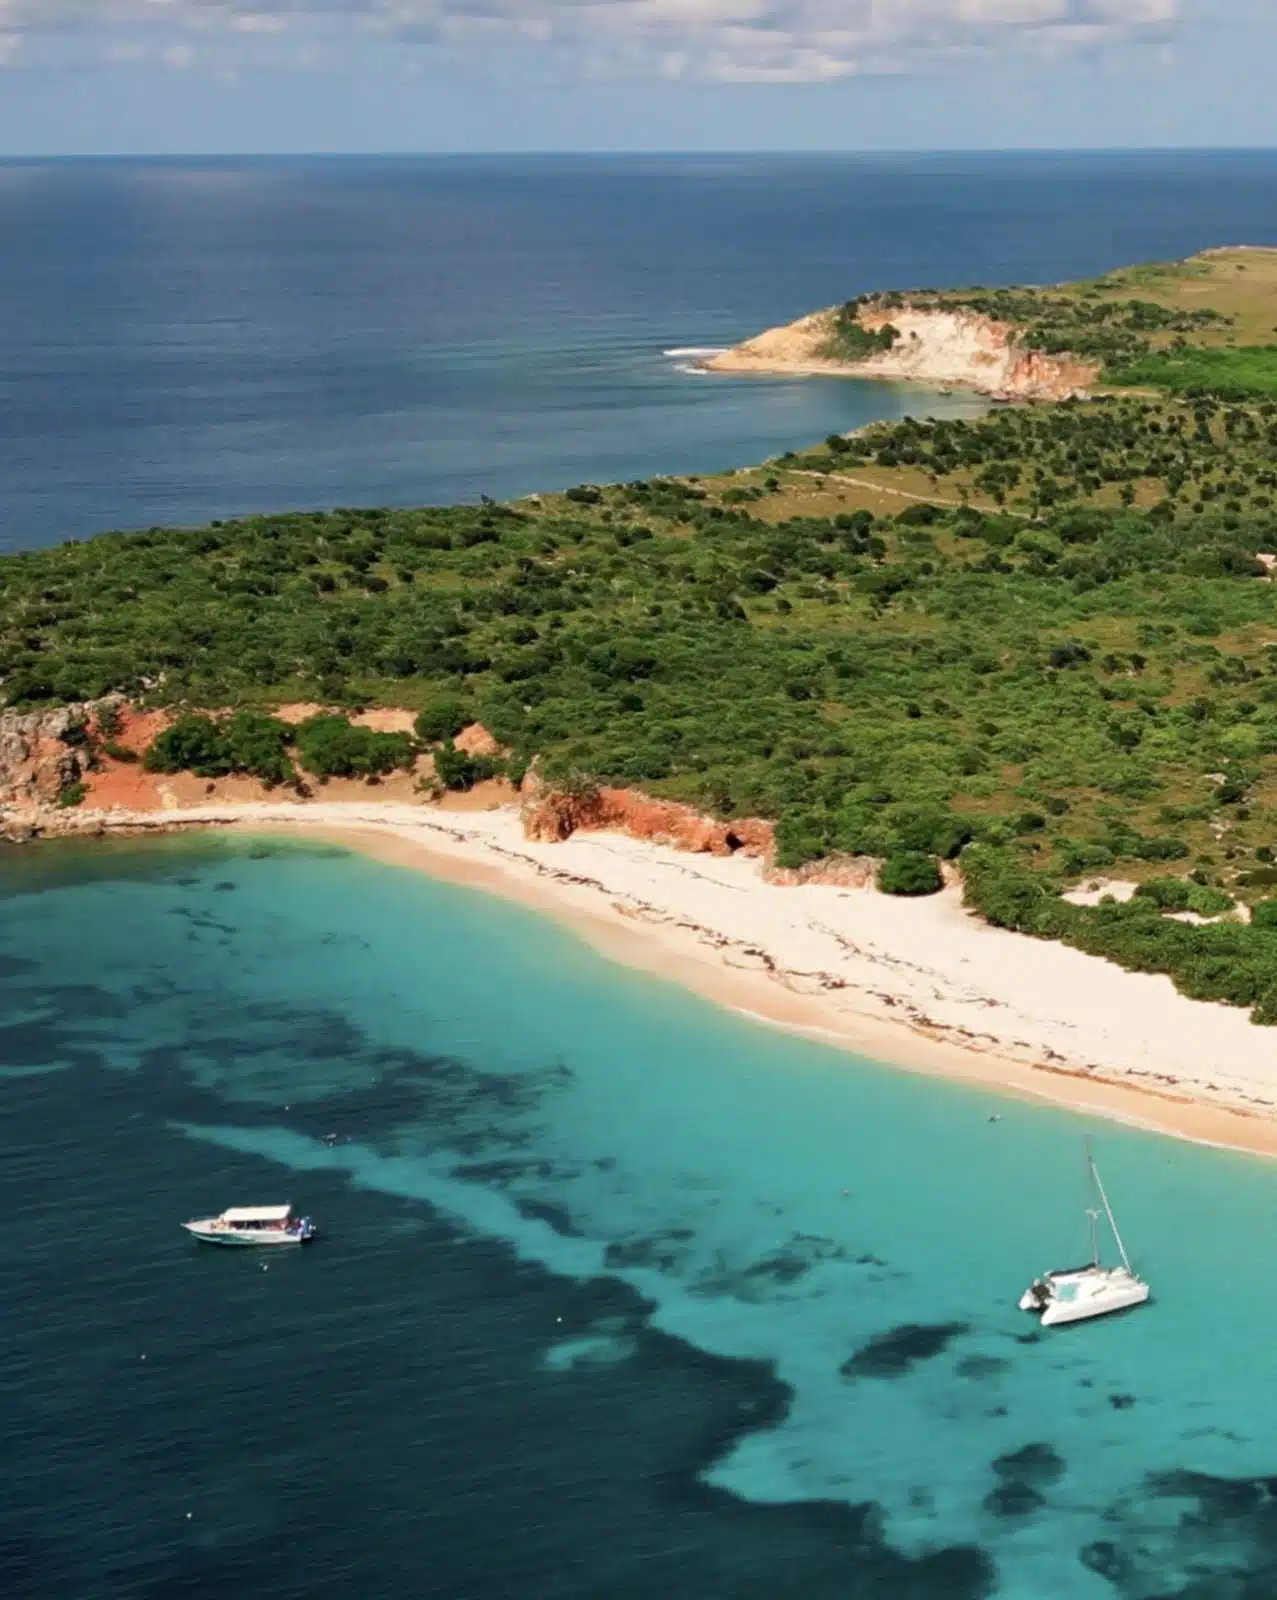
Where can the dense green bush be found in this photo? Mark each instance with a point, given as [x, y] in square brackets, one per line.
[457, 769]
[255, 745]
[442, 717]
[246, 741]
[192, 743]
[1180, 894]
[910, 872]
[331, 747]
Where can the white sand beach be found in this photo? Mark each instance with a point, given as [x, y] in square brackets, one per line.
[916, 983]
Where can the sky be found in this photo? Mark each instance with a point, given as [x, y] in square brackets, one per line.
[169, 77]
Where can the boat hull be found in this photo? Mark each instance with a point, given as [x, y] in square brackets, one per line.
[245, 1238]
[1057, 1316]
[1081, 1295]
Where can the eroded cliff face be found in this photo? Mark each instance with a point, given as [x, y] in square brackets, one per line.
[552, 816]
[936, 346]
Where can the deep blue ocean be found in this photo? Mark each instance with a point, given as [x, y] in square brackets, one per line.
[182, 340]
[617, 1295]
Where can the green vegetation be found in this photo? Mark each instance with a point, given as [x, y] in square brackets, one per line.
[455, 769]
[247, 742]
[1237, 374]
[71, 794]
[1084, 324]
[1185, 458]
[331, 747]
[442, 717]
[251, 743]
[849, 341]
[910, 872]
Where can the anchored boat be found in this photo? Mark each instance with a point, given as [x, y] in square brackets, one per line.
[245, 1225]
[1074, 1294]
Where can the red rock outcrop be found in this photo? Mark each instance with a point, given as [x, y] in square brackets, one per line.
[552, 815]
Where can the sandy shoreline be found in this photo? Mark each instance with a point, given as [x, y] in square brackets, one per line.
[914, 984]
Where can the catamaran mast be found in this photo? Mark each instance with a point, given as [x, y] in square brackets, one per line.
[1108, 1211]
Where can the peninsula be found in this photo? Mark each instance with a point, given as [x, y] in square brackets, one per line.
[955, 739]
[1128, 327]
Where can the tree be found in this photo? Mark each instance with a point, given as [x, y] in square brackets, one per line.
[193, 743]
[331, 747]
[442, 717]
[457, 769]
[910, 872]
[255, 744]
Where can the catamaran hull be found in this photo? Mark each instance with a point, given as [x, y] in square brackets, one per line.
[1056, 1316]
[1081, 1295]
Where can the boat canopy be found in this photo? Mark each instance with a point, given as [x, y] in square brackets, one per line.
[257, 1214]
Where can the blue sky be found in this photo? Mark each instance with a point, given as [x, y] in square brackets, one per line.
[233, 76]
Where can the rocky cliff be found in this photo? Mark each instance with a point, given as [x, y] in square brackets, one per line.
[553, 815]
[936, 346]
[42, 753]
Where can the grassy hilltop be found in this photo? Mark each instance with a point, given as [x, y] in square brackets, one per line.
[1044, 641]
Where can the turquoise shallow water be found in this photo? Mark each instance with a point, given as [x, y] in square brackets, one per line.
[676, 1302]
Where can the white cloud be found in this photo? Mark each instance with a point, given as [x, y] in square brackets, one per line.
[725, 41]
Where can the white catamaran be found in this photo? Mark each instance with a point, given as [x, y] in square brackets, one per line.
[1075, 1293]
[248, 1225]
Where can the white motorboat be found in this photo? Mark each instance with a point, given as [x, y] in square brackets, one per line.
[246, 1225]
[1074, 1294]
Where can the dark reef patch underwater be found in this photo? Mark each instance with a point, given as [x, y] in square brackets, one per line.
[588, 1273]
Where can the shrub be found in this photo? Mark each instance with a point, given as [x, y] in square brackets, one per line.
[1170, 894]
[457, 769]
[910, 872]
[331, 747]
[71, 794]
[441, 718]
[255, 743]
[1264, 1014]
[247, 742]
[1263, 914]
[798, 839]
[193, 743]
[1182, 894]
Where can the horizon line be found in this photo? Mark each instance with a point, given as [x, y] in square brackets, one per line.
[637, 154]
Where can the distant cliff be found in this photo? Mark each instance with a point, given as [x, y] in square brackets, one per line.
[933, 345]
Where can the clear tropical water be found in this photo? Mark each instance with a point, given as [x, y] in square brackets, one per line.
[182, 340]
[617, 1294]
